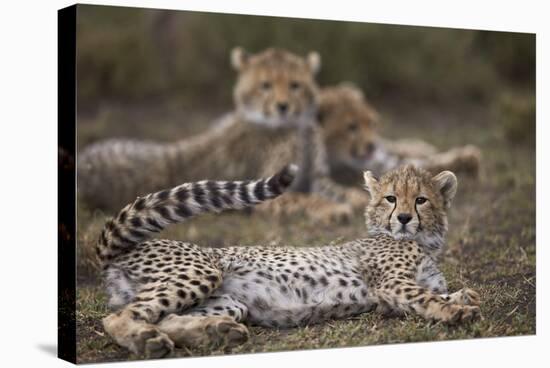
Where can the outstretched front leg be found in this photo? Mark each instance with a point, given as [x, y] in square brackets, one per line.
[405, 295]
[431, 278]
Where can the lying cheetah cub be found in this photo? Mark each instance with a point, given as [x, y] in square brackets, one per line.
[176, 293]
[350, 129]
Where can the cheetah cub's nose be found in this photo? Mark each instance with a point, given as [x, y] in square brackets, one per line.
[369, 148]
[404, 218]
[282, 107]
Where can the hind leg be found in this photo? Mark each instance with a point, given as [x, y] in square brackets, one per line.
[221, 305]
[177, 288]
[312, 206]
[134, 326]
[215, 321]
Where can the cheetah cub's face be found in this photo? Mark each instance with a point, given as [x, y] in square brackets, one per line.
[275, 87]
[349, 125]
[408, 203]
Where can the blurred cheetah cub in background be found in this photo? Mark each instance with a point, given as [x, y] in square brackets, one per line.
[176, 293]
[273, 123]
[350, 127]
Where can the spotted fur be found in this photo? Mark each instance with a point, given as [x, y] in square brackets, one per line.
[172, 293]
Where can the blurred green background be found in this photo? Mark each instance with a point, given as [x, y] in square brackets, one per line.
[142, 56]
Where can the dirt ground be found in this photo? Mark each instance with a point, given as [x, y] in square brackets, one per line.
[491, 242]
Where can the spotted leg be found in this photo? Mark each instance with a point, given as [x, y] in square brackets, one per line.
[431, 278]
[408, 296]
[214, 321]
[221, 305]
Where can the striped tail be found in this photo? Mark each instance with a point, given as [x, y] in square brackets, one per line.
[148, 215]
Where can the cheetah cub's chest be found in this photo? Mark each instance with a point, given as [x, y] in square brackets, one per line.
[390, 259]
[388, 262]
[294, 286]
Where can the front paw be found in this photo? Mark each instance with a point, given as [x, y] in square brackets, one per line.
[158, 345]
[460, 313]
[465, 296]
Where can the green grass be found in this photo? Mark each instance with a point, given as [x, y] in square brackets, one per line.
[491, 246]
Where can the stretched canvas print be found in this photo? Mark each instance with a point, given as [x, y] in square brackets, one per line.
[234, 184]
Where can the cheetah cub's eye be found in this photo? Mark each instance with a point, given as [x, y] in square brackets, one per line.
[421, 200]
[266, 85]
[353, 126]
[391, 199]
[294, 85]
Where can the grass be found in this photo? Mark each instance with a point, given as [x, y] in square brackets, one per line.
[491, 245]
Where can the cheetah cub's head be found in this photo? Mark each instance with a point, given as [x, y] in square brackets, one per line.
[349, 126]
[409, 203]
[275, 87]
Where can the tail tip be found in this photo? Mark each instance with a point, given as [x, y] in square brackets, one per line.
[287, 174]
[292, 169]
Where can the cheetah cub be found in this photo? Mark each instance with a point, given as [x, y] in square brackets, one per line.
[170, 293]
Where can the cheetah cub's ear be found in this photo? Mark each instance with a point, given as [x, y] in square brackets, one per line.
[446, 183]
[371, 183]
[239, 58]
[314, 61]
